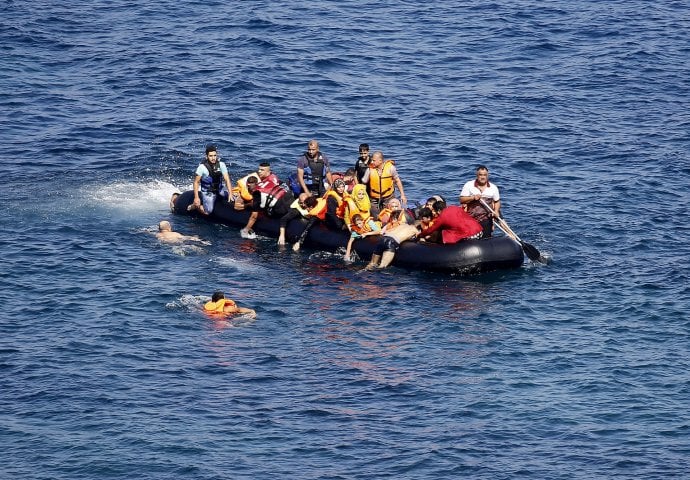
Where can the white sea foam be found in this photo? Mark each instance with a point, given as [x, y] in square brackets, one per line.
[146, 196]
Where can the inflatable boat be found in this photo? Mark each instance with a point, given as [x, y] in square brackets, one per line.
[465, 257]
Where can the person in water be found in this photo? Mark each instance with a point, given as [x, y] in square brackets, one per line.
[312, 169]
[219, 305]
[454, 223]
[481, 189]
[166, 235]
[211, 179]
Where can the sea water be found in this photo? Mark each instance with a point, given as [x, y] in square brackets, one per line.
[574, 369]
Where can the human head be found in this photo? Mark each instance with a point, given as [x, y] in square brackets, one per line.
[482, 174]
[359, 192]
[363, 150]
[439, 205]
[164, 226]
[264, 170]
[425, 214]
[218, 295]
[211, 153]
[173, 199]
[360, 197]
[312, 148]
[339, 184]
[357, 219]
[349, 175]
[394, 204]
[252, 182]
[431, 200]
[302, 199]
[377, 158]
[310, 202]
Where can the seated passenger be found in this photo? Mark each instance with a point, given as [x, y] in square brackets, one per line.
[348, 177]
[316, 211]
[243, 196]
[304, 207]
[335, 209]
[219, 305]
[211, 180]
[269, 198]
[426, 219]
[393, 209]
[357, 203]
[361, 228]
[454, 223]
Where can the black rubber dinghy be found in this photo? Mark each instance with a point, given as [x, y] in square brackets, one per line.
[466, 256]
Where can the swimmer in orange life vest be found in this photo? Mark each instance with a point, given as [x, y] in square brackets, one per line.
[219, 305]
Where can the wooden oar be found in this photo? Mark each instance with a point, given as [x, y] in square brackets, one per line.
[530, 250]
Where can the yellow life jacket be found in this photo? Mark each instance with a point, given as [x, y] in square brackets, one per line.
[241, 188]
[381, 186]
[351, 210]
[303, 211]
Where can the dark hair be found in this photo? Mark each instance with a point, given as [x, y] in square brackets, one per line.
[264, 164]
[425, 212]
[356, 217]
[435, 198]
[364, 146]
[252, 181]
[439, 205]
[310, 202]
[350, 172]
[211, 148]
[217, 296]
[481, 167]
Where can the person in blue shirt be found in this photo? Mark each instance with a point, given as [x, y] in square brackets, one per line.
[210, 180]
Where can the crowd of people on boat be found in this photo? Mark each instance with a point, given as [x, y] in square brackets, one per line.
[367, 199]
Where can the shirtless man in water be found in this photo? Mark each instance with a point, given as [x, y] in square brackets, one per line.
[165, 234]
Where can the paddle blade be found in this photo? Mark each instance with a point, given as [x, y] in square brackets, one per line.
[532, 252]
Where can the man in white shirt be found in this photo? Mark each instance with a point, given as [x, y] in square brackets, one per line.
[477, 189]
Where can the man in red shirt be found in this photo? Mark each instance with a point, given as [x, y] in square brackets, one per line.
[454, 222]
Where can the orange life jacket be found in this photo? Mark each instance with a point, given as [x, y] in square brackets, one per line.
[340, 212]
[381, 186]
[319, 210]
[219, 306]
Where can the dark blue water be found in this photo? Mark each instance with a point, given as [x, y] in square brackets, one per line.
[576, 369]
